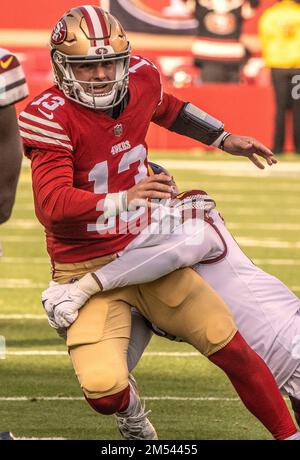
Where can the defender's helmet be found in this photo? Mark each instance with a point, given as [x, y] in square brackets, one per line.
[90, 34]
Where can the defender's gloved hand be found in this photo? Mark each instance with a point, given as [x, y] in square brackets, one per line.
[62, 301]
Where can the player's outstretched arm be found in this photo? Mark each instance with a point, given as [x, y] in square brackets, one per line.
[193, 122]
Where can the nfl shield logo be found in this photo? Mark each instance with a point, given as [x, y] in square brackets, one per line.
[118, 130]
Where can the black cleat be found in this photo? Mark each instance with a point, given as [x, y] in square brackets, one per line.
[6, 436]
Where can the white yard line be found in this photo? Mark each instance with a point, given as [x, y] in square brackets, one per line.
[279, 262]
[232, 168]
[267, 243]
[39, 439]
[263, 226]
[24, 207]
[182, 354]
[37, 353]
[10, 316]
[147, 398]
[25, 224]
[22, 239]
[240, 186]
[264, 201]
[20, 283]
[247, 210]
[24, 260]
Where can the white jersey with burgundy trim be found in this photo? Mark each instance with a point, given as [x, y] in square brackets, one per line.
[13, 86]
[266, 312]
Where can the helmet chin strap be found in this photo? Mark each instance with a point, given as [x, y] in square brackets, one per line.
[101, 102]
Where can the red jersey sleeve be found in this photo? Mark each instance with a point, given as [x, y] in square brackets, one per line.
[167, 111]
[56, 200]
[44, 124]
[167, 105]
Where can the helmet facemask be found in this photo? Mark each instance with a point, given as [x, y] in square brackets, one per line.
[75, 89]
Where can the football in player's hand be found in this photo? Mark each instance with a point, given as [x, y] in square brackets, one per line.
[172, 184]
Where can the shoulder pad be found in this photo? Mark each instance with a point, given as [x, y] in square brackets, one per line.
[42, 127]
[139, 62]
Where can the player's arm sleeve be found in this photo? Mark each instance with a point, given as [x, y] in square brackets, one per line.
[10, 160]
[196, 241]
[167, 110]
[13, 86]
[56, 198]
[188, 120]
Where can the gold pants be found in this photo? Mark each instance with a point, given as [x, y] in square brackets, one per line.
[180, 303]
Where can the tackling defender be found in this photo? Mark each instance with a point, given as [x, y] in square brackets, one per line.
[267, 313]
[85, 137]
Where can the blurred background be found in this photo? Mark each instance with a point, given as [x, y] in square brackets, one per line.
[164, 31]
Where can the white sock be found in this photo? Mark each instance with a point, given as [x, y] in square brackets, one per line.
[133, 397]
[294, 437]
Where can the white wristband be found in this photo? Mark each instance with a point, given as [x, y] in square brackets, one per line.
[115, 203]
[88, 285]
[218, 141]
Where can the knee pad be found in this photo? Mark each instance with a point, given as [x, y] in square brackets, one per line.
[220, 329]
[101, 367]
[96, 383]
[111, 404]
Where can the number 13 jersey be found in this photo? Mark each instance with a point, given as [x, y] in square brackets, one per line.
[79, 155]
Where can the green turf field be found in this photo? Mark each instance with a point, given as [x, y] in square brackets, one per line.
[189, 397]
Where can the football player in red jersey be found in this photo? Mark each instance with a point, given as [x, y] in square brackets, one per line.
[85, 137]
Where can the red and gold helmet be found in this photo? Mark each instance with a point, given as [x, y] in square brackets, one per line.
[89, 34]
